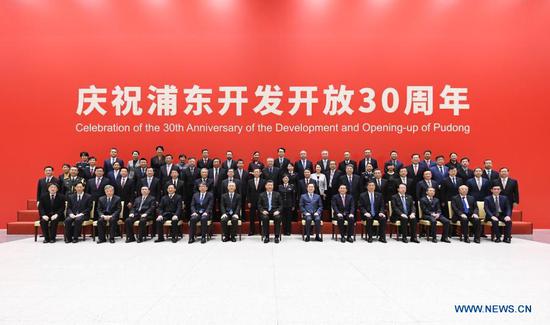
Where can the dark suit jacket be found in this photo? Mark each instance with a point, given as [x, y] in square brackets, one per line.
[126, 193]
[312, 206]
[222, 174]
[253, 194]
[339, 207]
[342, 166]
[383, 189]
[189, 178]
[227, 205]
[91, 187]
[397, 206]
[430, 207]
[45, 206]
[164, 174]
[448, 190]
[209, 182]
[418, 176]
[156, 162]
[180, 186]
[491, 209]
[332, 187]
[229, 165]
[276, 202]
[202, 164]
[237, 182]
[107, 167]
[436, 173]
[271, 175]
[494, 175]
[282, 166]
[154, 188]
[302, 188]
[458, 206]
[84, 206]
[299, 167]
[396, 181]
[365, 204]
[288, 195]
[476, 192]
[422, 186]
[206, 206]
[112, 210]
[171, 205]
[464, 174]
[363, 166]
[148, 206]
[139, 174]
[354, 189]
[511, 191]
[87, 173]
[255, 164]
[321, 163]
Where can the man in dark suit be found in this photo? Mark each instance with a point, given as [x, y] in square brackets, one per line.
[367, 160]
[478, 186]
[243, 176]
[439, 171]
[108, 212]
[89, 171]
[281, 162]
[509, 187]
[304, 183]
[201, 211]
[403, 209]
[415, 170]
[231, 179]
[108, 163]
[51, 208]
[230, 208]
[488, 171]
[426, 183]
[449, 189]
[68, 184]
[43, 183]
[352, 183]
[498, 208]
[140, 171]
[229, 162]
[142, 211]
[158, 160]
[343, 209]
[270, 207]
[114, 175]
[96, 186]
[381, 185]
[465, 210]
[427, 162]
[393, 161]
[203, 178]
[463, 171]
[204, 161]
[324, 162]
[125, 189]
[152, 182]
[178, 183]
[79, 205]
[346, 162]
[165, 170]
[256, 185]
[333, 182]
[371, 205]
[311, 206]
[189, 176]
[431, 208]
[301, 165]
[217, 174]
[403, 178]
[271, 172]
[169, 209]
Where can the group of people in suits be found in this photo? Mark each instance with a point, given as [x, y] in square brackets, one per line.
[151, 194]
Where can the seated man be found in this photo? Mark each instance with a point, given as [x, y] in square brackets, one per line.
[403, 210]
[497, 208]
[108, 211]
[79, 205]
[51, 207]
[169, 209]
[230, 208]
[465, 209]
[311, 206]
[432, 212]
[343, 208]
[201, 210]
[143, 210]
[371, 205]
[270, 206]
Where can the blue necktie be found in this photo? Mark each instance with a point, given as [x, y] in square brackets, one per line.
[405, 210]
[371, 204]
[466, 209]
[201, 199]
[269, 201]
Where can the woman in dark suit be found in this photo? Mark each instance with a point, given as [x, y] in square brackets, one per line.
[288, 196]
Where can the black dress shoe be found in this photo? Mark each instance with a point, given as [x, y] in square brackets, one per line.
[507, 240]
[497, 240]
[415, 240]
[343, 239]
[266, 240]
[102, 241]
[476, 240]
[350, 240]
[224, 239]
[445, 240]
[52, 241]
[287, 234]
[276, 240]
[382, 240]
[111, 240]
[484, 236]
[159, 240]
[174, 240]
[75, 240]
[191, 240]
[307, 238]
[203, 240]
[233, 239]
[131, 239]
[318, 238]
[405, 240]
[250, 234]
[433, 240]
[46, 241]
[467, 240]
[139, 240]
[369, 240]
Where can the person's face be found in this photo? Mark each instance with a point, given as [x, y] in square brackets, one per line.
[143, 164]
[92, 162]
[369, 167]
[240, 164]
[454, 157]
[290, 168]
[371, 187]
[281, 153]
[317, 169]
[346, 155]
[270, 162]
[174, 174]
[160, 151]
[402, 189]
[440, 161]
[73, 171]
[332, 165]
[144, 191]
[204, 173]
[230, 173]
[391, 168]
[52, 189]
[377, 174]
[79, 188]
[205, 154]
[216, 163]
[488, 164]
[463, 190]
[109, 192]
[367, 153]
[256, 156]
[427, 155]
[182, 160]
[99, 172]
[495, 190]
[191, 163]
[256, 172]
[504, 173]
[84, 158]
[403, 172]
[202, 188]
[478, 172]
[430, 192]
[135, 155]
[48, 172]
[342, 189]
[285, 179]
[124, 172]
[465, 163]
[168, 160]
[65, 169]
[310, 188]
[269, 187]
[415, 159]
[171, 189]
[116, 166]
[150, 172]
[307, 173]
[393, 155]
[452, 172]
[349, 170]
[428, 175]
[324, 155]
[231, 187]
[303, 155]
[229, 155]
[114, 152]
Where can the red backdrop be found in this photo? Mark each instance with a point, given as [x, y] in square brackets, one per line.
[498, 49]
